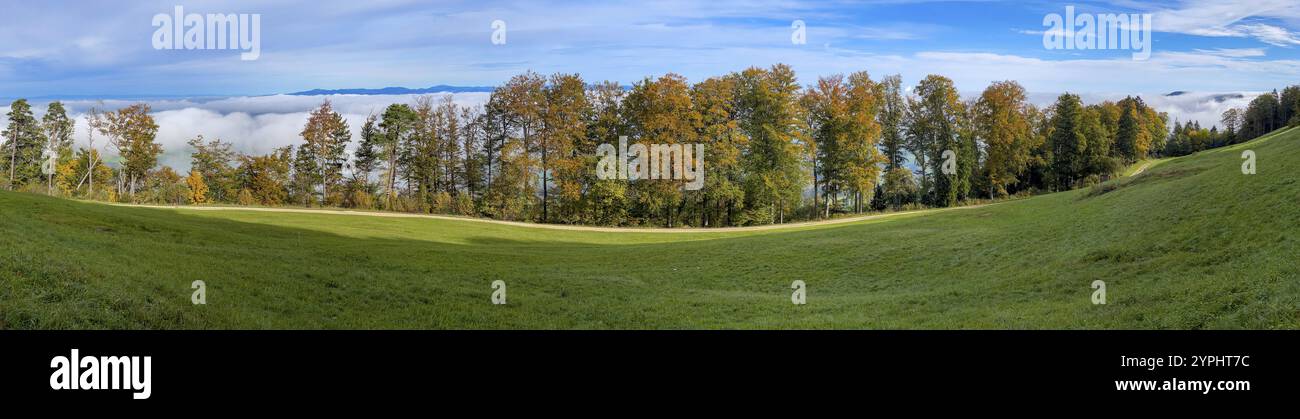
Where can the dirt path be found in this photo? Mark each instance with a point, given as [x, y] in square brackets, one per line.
[556, 226]
[1141, 169]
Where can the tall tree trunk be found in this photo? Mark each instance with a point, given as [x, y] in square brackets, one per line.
[93, 158]
[704, 212]
[545, 187]
[13, 155]
[828, 204]
[392, 177]
[814, 212]
[324, 186]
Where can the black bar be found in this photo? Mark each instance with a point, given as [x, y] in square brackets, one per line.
[286, 367]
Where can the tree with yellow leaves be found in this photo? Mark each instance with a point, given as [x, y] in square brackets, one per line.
[198, 188]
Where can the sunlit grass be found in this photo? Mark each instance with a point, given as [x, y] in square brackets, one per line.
[1189, 243]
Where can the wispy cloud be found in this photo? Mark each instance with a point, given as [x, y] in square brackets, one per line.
[93, 48]
[1234, 52]
[1231, 18]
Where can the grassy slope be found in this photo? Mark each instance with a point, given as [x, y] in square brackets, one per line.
[1190, 243]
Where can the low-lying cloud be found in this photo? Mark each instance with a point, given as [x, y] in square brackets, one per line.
[253, 124]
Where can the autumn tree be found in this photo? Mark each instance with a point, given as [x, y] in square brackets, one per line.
[164, 186]
[86, 168]
[132, 131]
[1002, 124]
[521, 103]
[659, 112]
[933, 123]
[768, 115]
[1156, 125]
[1131, 139]
[326, 135]
[606, 201]
[214, 161]
[266, 177]
[564, 125]
[1099, 128]
[860, 155]
[826, 107]
[846, 133]
[715, 100]
[198, 188]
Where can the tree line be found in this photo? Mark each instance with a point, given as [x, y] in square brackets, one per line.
[1266, 113]
[775, 151]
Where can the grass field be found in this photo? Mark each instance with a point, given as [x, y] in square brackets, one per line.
[1189, 243]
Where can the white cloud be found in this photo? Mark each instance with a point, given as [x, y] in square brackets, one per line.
[1234, 52]
[1230, 18]
[254, 125]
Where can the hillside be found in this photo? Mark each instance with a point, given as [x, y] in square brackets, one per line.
[1188, 243]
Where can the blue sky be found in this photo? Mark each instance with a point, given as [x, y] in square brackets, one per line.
[1224, 51]
[87, 49]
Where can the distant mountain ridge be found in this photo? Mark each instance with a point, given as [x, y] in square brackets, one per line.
[442, 88]
[1216, 97]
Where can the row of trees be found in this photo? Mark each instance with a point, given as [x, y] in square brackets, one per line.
[1267, 112]
[774, 151]
[33, 143]
[1264, 114]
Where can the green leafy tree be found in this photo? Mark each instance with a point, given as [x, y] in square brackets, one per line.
[769, 117]
[1129, 139]
[305, 175]
[395, 133]
[608, 200]
[214, 161]
[1261, 116]
[132, 131]
[893, 111]
[1289, 106]
[1231, 120]
[715, 99]
[26, 142]
[1068, 142]
[563, 115]
[327, 136]
[936, 119]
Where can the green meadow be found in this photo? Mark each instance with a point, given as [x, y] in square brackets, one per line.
[1189, 243]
